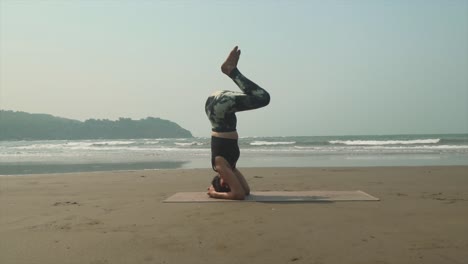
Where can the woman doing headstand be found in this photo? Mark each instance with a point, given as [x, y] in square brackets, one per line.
[220, 108]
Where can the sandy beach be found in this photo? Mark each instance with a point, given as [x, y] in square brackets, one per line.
[119, 217]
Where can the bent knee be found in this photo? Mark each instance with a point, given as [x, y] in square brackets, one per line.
[265, 99]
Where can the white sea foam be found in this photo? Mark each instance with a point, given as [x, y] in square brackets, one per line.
[262, 148]
[270, 143]
[113, 143]
[428, 147]
[384, 142]
[39, 146]
[189, 144]
[155, 142]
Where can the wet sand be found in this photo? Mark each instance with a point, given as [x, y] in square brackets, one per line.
[119, 217]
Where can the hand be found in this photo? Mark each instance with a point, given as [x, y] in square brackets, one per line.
[210, 191]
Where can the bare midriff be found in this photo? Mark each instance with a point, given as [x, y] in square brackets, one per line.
[230, 135]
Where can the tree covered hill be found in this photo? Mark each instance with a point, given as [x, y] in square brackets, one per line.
[26, 126]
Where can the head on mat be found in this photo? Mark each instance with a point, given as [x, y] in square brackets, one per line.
[219, 185]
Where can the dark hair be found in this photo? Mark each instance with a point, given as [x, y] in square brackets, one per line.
[216, 182]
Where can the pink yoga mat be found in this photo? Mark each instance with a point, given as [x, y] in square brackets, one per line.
[277, 196]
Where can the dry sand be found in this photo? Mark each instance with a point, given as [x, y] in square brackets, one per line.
[119, 217]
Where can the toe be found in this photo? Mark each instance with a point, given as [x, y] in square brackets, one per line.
[233, 51]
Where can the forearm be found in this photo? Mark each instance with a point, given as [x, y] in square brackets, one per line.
[226, 195]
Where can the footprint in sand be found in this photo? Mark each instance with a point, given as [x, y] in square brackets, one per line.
[66, 203]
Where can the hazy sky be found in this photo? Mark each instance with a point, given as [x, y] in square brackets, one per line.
[331, 67]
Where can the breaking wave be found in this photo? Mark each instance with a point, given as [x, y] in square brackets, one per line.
[270, 143]
[384, 142]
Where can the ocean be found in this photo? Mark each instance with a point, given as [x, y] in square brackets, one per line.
[62, 156]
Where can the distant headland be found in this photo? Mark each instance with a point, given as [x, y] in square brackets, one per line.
[16, 125]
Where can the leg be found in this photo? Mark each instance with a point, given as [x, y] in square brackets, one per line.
[242, 181]
[253, 96]
[222, 105]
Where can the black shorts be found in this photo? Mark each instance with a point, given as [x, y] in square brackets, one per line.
[226, 148]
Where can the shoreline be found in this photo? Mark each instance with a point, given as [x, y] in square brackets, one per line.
[243, 168]
[46, 156]
[174, 165]
[119, 217]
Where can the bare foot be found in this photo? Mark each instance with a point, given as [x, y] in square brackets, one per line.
[231, 61]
